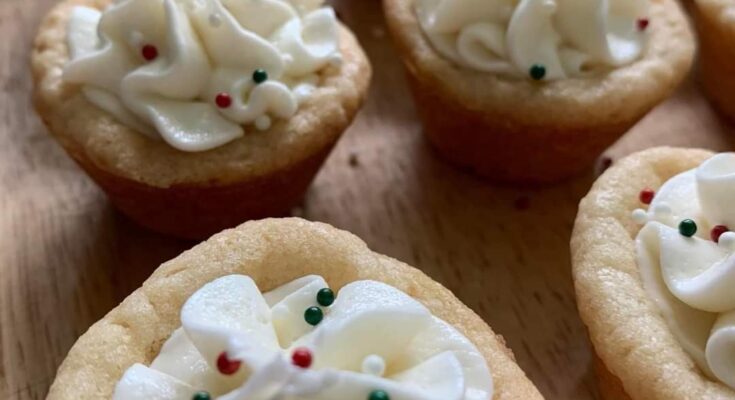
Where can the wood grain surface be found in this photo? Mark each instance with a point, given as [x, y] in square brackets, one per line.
[66, 257]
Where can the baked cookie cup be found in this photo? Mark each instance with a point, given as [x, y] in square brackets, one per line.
[374, 317]
[648, 328]
[715, 21]
[525, 125]
[258, 170]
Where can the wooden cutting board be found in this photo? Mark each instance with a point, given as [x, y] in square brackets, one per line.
[66, 257]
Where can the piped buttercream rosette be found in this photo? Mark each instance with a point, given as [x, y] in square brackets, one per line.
[542, 39]
[686, 254]
[373, 341]
[194, 71]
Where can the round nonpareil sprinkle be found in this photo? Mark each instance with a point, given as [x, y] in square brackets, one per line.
[302, 357]
[688, 227]
[717, 232]
[260, 76]
[646, 196]
[223, 100]
[226, 366]
[325, 297]
[149, 52]
[313, 315]
[537, 72]
[201, 396]
[378, 395]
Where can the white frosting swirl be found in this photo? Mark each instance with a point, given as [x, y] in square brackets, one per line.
[374, 337]
[568, 38]
[202, 49]
[691, 279]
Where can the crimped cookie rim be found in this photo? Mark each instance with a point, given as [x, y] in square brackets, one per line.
[249, 247]
[610, 294]
[147, 161]
[663, 70]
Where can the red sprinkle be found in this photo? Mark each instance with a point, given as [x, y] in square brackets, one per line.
[302, 357]
[643, 24]
[227, 366]
[717, 231]
[646, 196]
[149, 52]
[223, 100]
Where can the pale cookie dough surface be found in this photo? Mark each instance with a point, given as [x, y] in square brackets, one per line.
[619, 95]
[271, 252]
[625, 326]
[85, 129]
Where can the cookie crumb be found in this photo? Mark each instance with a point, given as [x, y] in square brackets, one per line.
[353, 160]
[604, 163]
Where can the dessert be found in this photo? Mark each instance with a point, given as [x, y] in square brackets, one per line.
[653, 258]
[335, 321]
[195, 115]
[534, 90]
[715, 20]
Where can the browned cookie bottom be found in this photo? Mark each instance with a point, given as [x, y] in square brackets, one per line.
[500, 149]
[199, 211]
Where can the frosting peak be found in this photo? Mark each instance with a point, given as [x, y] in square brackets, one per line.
[691, 276]
[194, 71]
[236, 343]
[557, 38]
[716, 188]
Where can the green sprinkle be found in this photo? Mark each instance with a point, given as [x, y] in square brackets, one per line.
[201, 396]
[260, 76]
[313, 315]
[325, 297]
[537, 72]
[688, 227]
[378, 395]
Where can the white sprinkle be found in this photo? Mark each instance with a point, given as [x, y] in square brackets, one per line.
[640, 216]
[727, 241]
[263, 123]
[373, 365]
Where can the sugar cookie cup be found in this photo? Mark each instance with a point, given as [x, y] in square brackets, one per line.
[519, 130]
[715, 21]
[195, 194]
[272, 253]
[639, 354]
